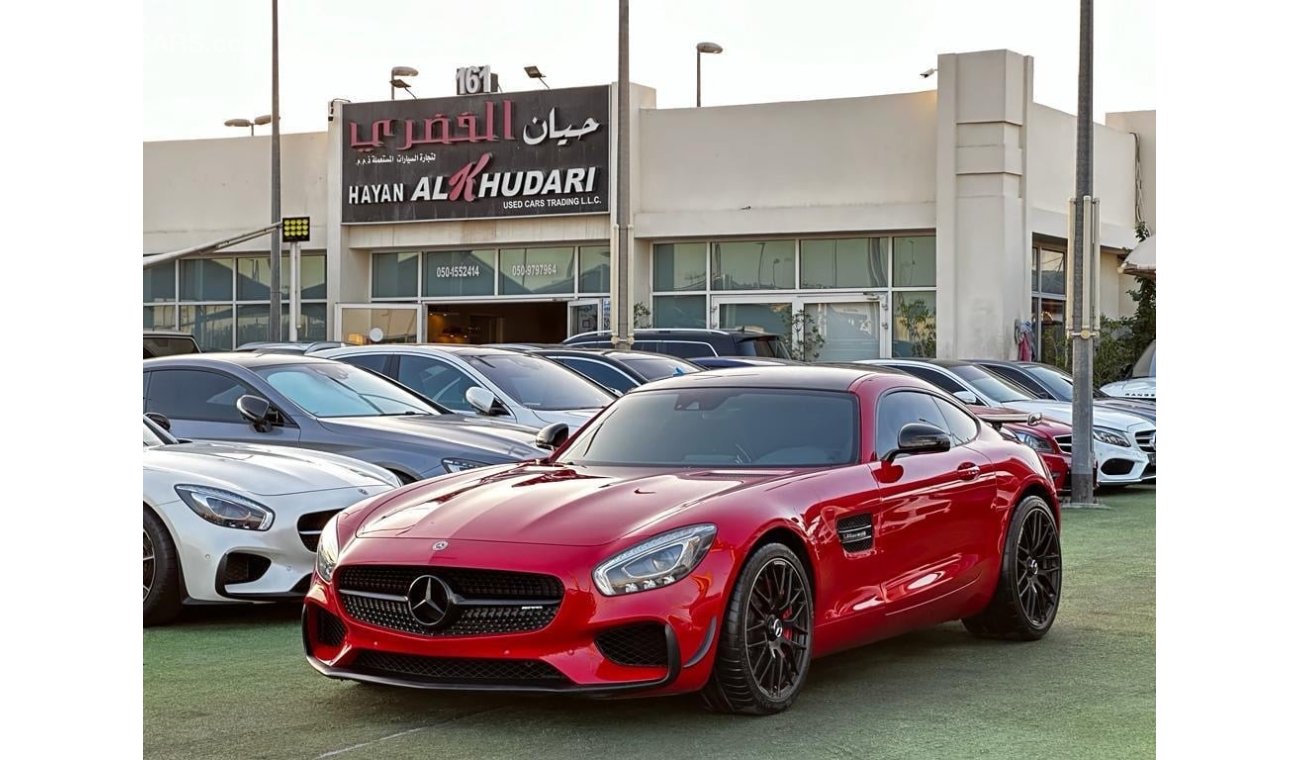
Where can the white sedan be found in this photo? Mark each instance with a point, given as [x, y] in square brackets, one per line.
[232, 522]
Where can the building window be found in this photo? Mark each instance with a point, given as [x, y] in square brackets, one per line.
[536, 271]
[914, 262]
[593, 269]
[1051, 343]
[395, 274]
[680, 311]
[843, 263]
[753, 265]
[450, 274]
[914, 327]
[224, 302]
[680, 266]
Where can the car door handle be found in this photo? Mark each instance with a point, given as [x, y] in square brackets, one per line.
[968, 471]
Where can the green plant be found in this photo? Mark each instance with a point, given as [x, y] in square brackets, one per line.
[809, 346]
[1123, 340]
[916, 322]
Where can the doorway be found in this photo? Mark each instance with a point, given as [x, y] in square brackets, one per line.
[497, 322]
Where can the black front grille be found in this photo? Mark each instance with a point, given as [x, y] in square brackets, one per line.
[459, 670]
[241, 567]
[310, 526]
[329, 629]
[641, 645]
[516, 602]
[1146, 440]
[1117, 467]
[1064, 442]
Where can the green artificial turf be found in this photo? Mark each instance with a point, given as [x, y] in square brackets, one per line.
[232, 683]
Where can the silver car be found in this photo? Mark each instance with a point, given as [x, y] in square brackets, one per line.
[526, 389]
[325, 405]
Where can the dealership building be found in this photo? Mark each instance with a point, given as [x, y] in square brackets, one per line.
[929, 223]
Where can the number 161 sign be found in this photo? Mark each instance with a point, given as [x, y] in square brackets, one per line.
[475, 80]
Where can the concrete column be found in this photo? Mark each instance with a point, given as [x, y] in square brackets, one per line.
[983, 239]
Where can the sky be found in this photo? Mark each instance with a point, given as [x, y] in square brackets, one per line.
[206, 61]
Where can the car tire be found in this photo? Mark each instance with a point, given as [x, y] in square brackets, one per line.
[763, 672]
[1028, 594]
[162, 586]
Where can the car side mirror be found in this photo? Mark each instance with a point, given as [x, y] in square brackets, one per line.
[551, 436]
[966, 397]
[920, 438]
[256, 410]
[160, 420]
[484, 402]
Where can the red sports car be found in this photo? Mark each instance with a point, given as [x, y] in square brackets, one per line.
[710, 532]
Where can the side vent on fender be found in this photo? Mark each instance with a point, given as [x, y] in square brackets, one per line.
[856, 533]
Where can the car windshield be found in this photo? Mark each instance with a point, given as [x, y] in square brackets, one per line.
[989, 384]
[1146, 363]
[539, 383]
[334, 389]
[710, 427]
[657, 367]
[1060, 385]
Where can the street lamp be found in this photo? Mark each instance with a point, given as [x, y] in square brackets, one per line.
[259, 121]
[700, 49]
[394, 82]
[534, 73]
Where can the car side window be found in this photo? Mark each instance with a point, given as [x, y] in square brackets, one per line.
[936, 378]
[373, 362]
[961, 425]
[900, 408]
[1023, 379]
[193, 394]
[437, 380]
[598, 372]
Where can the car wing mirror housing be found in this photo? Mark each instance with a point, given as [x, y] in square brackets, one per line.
[484, 401]
[966, 397]
[920, 438]
[256, 410]
[552, 436]
[160, 420]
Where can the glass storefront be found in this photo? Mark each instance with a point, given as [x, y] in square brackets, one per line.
[1051, 344]
[833, 299]
[225, 301]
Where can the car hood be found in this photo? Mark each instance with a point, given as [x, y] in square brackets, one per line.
[1062, 411]
[1135, 387]
[470, 435]
[574, 418]
[264, 470]
[543, 504]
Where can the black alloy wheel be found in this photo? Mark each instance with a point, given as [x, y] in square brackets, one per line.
[1028, 594]
[766, 644]
[149, 564]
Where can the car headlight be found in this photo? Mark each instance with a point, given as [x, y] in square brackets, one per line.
[453, 464]
[655, 563]
[327, 549]
[224, 508]
[1037, 443]
[1112, 437]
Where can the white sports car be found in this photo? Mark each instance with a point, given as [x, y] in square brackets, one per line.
[233, 522]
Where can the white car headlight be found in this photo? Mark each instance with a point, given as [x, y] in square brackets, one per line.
[452, 464]
[225, 508]
[655, 563]
[327, 550]
[1112, 437]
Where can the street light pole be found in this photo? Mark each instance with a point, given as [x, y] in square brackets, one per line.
[273, 321]
[701, 48]
[1081, 456]
[622, 335]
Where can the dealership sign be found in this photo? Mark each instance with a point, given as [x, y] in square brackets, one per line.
[477, 156]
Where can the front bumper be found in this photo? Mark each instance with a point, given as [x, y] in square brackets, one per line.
[562, 656]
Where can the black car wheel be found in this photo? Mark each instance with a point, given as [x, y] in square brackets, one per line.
[766, 644]
[1029, 588]
[162, 583]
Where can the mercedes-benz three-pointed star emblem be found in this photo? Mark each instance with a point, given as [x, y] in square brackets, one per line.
[429, 600]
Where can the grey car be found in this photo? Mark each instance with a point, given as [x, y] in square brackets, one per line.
[329, 406]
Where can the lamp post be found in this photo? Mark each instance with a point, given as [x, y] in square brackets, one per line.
[273, 322]
[622, 331]
[259, 121]
[394, 82]
[700, 49]
[1081, 332]
[534, 73]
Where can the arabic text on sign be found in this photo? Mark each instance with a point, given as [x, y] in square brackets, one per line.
[533, 270]
[456, 271]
